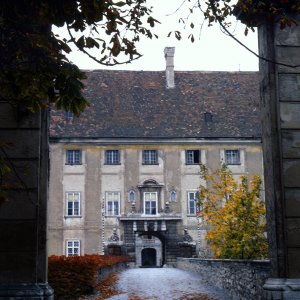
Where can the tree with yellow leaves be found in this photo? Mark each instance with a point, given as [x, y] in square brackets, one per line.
[235, 214]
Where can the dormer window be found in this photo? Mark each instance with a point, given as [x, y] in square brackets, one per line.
[69, 116]
[208, 117]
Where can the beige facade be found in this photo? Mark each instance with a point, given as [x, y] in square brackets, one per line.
[111, 211]
[124, 175]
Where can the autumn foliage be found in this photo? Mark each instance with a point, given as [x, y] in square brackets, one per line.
[234, 213]
[75, 276]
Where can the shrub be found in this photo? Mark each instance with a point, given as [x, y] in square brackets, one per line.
[75, 276]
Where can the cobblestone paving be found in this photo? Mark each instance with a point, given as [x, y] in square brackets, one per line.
[164, 284]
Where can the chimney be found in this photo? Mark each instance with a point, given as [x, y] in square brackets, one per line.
[169, 56]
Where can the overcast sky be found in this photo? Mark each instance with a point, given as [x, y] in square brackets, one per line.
[211, 51]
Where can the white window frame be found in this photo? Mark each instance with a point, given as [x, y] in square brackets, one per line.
[73, 157]
[74, 247]
[234, 155]
[190, 156]
[112, 205]
[150, 157]
[112, 157]
[193, 199]
[76, 198]
[151, 201]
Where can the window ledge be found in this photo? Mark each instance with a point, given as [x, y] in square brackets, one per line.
[144, 164]
[116, 164]
[72, 217]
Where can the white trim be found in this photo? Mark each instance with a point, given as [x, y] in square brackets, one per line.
[188, 202]
[156, 203]
[73, 247]
[67, 201]
[106, 204]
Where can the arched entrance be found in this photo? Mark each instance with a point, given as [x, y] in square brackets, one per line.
[149, 251]
[149, 257]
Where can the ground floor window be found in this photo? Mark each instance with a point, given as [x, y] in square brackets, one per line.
[73, 248]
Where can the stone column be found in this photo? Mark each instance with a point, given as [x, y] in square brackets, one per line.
[280, 93]
[23, 222]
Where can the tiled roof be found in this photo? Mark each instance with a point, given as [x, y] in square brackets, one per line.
[137, 104]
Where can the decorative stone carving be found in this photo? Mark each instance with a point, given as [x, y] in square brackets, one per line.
[186, 237]
[114, 237]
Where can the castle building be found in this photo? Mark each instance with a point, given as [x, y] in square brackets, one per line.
[124, 175]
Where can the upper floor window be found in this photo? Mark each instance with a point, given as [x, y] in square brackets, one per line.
[150, 157]
[112, 200]
[112, 157]
[173, 196]
[73, 157]
[73, 248]
[131, 196]
[192, 203]
[73, 203]
[150, 203]
[192, 157]
[232, 157]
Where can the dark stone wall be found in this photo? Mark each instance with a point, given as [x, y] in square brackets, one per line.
[280, 86]
[23, 212]
[241, 279]
[170, 240]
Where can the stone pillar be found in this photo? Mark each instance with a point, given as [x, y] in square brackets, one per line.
[23, 225]
[280, 93]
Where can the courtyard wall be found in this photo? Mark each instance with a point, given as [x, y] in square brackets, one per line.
[241, 279]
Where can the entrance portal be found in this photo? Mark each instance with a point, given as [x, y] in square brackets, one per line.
[149, 251]
[148, 257]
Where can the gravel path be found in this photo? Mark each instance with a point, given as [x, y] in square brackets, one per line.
[164, 284]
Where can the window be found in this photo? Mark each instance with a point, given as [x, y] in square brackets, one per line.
[131, 196]
[150, 157]
[73, 157]
[232, 157]
[150, 203]
[112, 157]
[73, 203]
[69, 116]
[192, 157]
[73, 248]
[192, 202]
[173, 196]
[112, 203]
